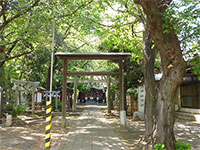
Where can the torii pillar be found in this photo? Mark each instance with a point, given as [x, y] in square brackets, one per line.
[121, 94]
[75, 94]
[64, 89]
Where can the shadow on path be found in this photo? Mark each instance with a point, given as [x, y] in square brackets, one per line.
[90, 132]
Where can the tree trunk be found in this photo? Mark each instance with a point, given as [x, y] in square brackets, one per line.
[173, 67]
[112, 99]
[149, 80]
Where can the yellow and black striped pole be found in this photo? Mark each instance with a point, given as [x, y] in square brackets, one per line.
[48, 103]
[48, 124]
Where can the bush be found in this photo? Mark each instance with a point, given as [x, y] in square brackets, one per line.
[54, 104]
[178, 146]
[159, 147]
[183, 146]
[117, 104]
[18, 110]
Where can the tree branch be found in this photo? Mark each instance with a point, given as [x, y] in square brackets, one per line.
[8, 34]
[3, 10]
[141, 16]
[186, 37]
[82, 45]
[16, 56]
[111, 26]
[85, 64]
[2, 48]
[18, 15]
[135, 33]
[11, 48]
[118, 10]
[67, 30]
[79, 7]
[137, 2]
[104, 25]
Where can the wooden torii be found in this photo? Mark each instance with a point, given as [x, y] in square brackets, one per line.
[120, 57]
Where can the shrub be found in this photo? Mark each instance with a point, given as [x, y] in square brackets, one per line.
[117, 104]
[159, 147]
[18, 110]
[54, 104]
[182, 146]
[178, 146]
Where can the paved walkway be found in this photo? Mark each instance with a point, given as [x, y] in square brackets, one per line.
[87, 129]
[91, 132]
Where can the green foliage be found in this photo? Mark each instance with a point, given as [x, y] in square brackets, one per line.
[183, 17]
[195, 62]
[182, 146]
[59, 104]
[159, 147]
[84, 88]
[117, 104]
[32, 32]
[178, 146]
[132, 91]
[86, 26]
[19, 110]
[8, 107]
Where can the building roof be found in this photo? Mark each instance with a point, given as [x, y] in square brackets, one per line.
[93, 56]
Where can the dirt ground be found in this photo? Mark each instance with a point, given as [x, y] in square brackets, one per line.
[185, 131]
[28, 132]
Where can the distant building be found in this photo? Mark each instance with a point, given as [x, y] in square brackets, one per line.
[187, 97]
[189, 91]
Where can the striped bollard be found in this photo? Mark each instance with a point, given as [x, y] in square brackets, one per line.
[48, 125]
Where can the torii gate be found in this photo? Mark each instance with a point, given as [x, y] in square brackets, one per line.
[120, 57]
[31, 86]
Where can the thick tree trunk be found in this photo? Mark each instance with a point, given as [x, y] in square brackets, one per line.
[149, 79]
[173, 67]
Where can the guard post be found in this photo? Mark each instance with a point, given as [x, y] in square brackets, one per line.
[48, 124]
